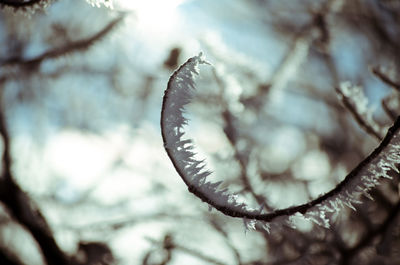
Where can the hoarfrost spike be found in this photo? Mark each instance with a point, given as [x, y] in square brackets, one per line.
[366, 194]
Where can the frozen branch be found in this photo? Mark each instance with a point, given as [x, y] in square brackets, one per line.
[364, 177]
[384, 78]
[355, 101]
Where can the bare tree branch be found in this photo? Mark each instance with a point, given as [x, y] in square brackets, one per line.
[365, 123]
[384, 78]
[388, 110]
[187, 250]
[23, 208]
[76, 46]
[348, 254]
[6, 258]
[232, 134]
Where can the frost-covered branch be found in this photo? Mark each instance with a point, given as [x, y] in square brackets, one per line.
[386, 79]
[364, 177]
[356, 102]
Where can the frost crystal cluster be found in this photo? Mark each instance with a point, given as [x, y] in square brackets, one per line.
[180, 90]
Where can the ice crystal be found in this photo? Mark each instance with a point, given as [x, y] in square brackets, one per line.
[249, 224]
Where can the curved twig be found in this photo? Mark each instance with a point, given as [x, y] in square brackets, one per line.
[360, 180]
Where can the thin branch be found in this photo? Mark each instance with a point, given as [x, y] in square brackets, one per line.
[168, 245]
[392, 216]
[228, 241]
[361, 119]
[7, 258]
[387, 109]
[75, 46]
[232, 135]
[189, 251]
[384, 78]
[23, 209]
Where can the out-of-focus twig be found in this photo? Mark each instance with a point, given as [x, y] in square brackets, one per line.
[168, 246]
[22, 207]
[359, 114]
[348, 254]
[6, 258]
[231, 134]
[75, 46]
[384, 78]
[189, 251]
[388, 110]
[228, 241]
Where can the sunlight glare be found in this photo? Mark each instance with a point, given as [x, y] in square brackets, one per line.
[153, 15]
